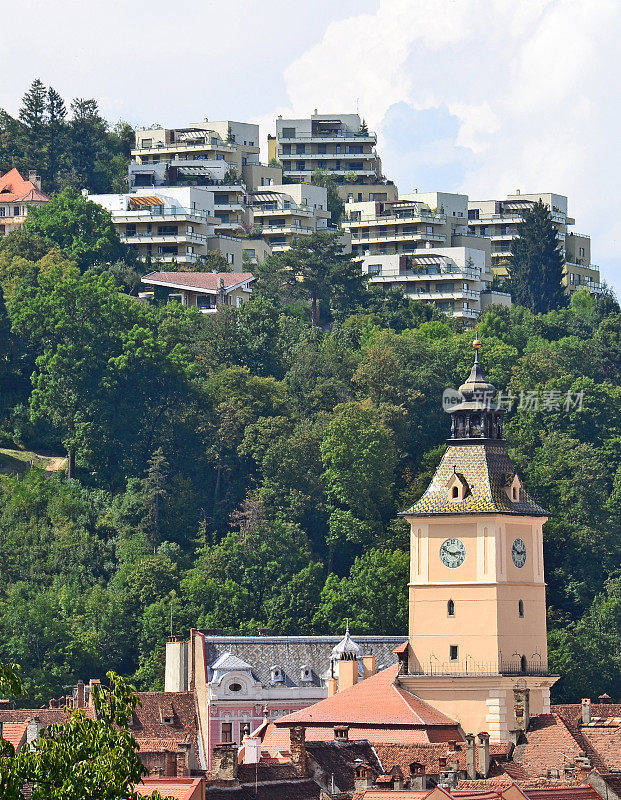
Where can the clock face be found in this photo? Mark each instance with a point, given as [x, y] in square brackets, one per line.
[453, 553]
[518, 553]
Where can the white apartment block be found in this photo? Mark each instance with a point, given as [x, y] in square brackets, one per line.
[406, 225]
[500, 219]
[456, 279]
[222, 156]
[337, 143]
[287, 212]
[173, 226]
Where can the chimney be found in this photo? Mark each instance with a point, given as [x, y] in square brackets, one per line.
[363, 778]
[521, 708]
[471, 762]
[32, 730]
[368, 666]
[348, 673]
[452, 746]
[176, 672]
[297, 748]
[442, 762]
[418, 779]
[605, 699]
[91, 696]
[341, 733]
[252, 749]
[586, 710]
[80, 695]
[224, 761]
[332, 686]
[583, 767]
[4, 703]
[483, 748]
[397, 778]
[183, 757]
[34, 178]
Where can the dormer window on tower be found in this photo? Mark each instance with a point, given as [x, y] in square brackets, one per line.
[514, 489]
[458, 488]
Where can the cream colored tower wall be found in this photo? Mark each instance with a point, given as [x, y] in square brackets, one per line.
[486, 590]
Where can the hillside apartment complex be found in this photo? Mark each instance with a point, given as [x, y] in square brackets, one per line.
[202, 188]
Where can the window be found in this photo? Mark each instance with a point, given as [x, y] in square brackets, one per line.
[453, 652]
[521, 609]
[146, 143]
[456, 491]
[523, 664]
[286, 150]
[16, 211]
[321, 149]
[288, 133]
[355, 149]
[300, 166]
[473, 213]
[355, 165]
[2, 211]
[230, 257]
[322, 165]
[300, 149]
[130, 230]
[514, 492]
[227, 732]
[582, 251]
[235, 687]
[450, 608]
[375, 269]
[277, 675]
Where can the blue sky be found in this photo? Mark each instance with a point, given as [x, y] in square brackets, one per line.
[478, 96]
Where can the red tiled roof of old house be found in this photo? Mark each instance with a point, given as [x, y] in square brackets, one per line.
[207, 281]
[490, 793]
[15, 189]
[548, 745]
[429, 755]
[373, 703]
[163, 720]
[15, 733]
[178, 788]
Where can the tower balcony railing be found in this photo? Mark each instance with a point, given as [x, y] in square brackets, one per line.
[473, 669]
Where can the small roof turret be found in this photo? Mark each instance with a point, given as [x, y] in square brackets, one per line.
[346, 649]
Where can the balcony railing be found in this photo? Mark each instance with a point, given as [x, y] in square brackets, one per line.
[370, 135]
[135, 214]
[392, 219]
[188, 144]
[473, 668]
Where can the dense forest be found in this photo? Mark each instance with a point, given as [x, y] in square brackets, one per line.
[244, 470]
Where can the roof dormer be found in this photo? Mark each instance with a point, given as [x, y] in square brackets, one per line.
[514, 489]
[458, 488]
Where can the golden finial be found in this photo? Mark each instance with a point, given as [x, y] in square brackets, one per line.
[477, 342]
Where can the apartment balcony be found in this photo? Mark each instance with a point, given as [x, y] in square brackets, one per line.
[301, 173]
[235, 206]
[283, 211]
[417, 236]
[332, 136]
[169, 258]
[163, 238]
[273, 230]
[327, 156]
[190, 147]
[158, 213]
[411, 275]
[425, 217]
[450, 294]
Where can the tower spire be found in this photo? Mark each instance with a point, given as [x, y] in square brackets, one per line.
[477, 416]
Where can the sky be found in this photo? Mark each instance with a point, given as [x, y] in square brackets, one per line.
[478, 96]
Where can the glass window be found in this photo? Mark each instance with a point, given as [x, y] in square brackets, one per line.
[450, 606]
[300, 166]
[453, 652]
[227, 732]
[288, 133]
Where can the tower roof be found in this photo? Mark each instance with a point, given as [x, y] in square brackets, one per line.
[488, 471]
[346, 645]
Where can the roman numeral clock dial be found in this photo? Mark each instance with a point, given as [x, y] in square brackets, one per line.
[452, 553]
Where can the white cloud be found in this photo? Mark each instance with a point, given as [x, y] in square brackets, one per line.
[530, 83]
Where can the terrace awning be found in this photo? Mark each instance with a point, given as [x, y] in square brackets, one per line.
[137, 200]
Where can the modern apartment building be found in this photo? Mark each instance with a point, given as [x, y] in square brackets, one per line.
[456, 279]
[16, 195]
[283, 213]
[499, 220]
[177, 225]
[341, 144]
[408, 224]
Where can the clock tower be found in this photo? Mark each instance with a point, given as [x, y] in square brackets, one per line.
[477, 607]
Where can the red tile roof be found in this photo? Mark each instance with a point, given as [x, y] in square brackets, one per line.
[154, 735]
[207, 281]
[548, 745]
[429, 754]
[179, 788]
[376, 701]
[14, 189]
[15, 733]
[606, 742]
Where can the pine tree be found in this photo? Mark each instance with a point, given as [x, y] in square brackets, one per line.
[88, 146]
[56, 138]
[33, 116]
[153, 493]
[536, 264]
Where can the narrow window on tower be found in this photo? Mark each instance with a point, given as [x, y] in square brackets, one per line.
[521, 608]
[523, 664]
[455, 491]
[450, 608]
[453, 652]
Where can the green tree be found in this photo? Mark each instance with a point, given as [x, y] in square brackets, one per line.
[82, 229]
[536, 263]
[155, 490]
[336, 206]
[56, 139]
[33, 116]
